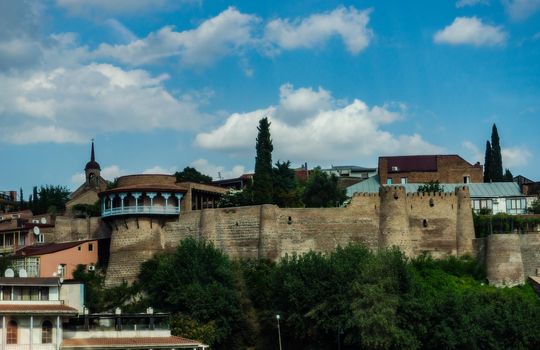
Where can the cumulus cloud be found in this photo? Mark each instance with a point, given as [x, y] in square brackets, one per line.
[159, 170]
[334, 133]
[464, 3]
[515, 156]
[215, 171]
[348, 23]
[521, 9]
[70, 104]
[471, 31]
[214, 38]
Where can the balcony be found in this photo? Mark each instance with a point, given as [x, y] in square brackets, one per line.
[141, 209]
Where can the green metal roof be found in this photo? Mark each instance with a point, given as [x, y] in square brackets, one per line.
[477, 190]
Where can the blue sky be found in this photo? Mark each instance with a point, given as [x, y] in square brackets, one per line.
[164, 84]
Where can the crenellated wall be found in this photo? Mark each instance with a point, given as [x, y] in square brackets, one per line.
[438, 223]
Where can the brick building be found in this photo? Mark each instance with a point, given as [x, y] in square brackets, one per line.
[425, 168]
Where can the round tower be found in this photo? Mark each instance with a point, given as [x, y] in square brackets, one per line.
[464, 222]
[394, 219]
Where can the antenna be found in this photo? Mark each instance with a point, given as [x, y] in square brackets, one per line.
[9, 273]
[23, 273]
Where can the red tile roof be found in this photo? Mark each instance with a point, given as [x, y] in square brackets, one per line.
[41, 249]
[55, 309]
[136, 342]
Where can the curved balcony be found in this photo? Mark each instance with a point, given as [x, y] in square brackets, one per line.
[141, 203]
[141, 209]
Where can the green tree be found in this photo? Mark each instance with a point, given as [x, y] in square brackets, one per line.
[22, 203]
[322, 190]
[262, 180]
[197, 281]
[497, 175]
[535, 207]
[285, 186]
[192, 175]
[49, 199]
[508, 177]
[488, 163]
[431, 187]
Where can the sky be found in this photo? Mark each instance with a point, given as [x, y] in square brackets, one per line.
[165, 84]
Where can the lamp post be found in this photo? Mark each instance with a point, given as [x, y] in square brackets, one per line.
[278, 332]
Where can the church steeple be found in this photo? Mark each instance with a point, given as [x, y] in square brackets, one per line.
[92, 169]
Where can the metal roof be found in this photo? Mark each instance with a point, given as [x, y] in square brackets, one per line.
[476, 190]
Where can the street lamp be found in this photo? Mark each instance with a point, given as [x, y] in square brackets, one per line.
[278, 332]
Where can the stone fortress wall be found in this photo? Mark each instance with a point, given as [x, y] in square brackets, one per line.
[437, 223]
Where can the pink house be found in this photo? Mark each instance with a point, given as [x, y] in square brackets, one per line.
[55, 259]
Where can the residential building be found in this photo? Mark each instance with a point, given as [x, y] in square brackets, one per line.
[22, 228]
[351, 171]
[425, 168]
[56, 259]
[528, 186]
[44, 313]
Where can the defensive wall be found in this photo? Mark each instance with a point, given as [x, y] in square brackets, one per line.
[437, 223]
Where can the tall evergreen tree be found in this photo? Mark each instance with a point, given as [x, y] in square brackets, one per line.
[497, 166]
[508, 177]
[488, 163]
[262, 180]
[22, 205]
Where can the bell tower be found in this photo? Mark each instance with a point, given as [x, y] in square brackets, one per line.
[92, 170]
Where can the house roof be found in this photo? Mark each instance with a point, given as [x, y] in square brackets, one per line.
[352, 168]
[476, 190]
[49, 309]
[29, 281]
[47, 248]
[133, 342]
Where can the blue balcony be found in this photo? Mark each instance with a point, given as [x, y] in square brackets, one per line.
[140, 203]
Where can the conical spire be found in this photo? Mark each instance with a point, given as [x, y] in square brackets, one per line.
[92, 164]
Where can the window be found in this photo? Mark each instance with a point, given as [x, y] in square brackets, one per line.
[79, 248]
[46, 332]
[403, 180]
[62, 270]
[44, 293]
[6, 293]
[90, 247]
[466, 179]
[8, 240]
[478, 204]
[389, 181]
[12, 330]
[395, 168]
[22, 239]
[41, 238]
[515, 205]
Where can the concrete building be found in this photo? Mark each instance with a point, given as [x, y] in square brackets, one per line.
[425, 168]
[45, 314]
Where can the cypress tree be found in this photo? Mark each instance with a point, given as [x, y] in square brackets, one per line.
[508, 177]
[262, 180]
[497, 166]
[488, 163]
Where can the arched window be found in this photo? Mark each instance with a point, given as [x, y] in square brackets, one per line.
[12, 330]
[46, 332]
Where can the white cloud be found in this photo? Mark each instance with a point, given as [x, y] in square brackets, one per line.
[521, 9]
[207, 168]
[352, 132]
[348, 23]
[463, 3]
[474, 154]
[515, 156]
[118, 7]
[159, 170]
[225, 34]
[471, 31]
[70, 104]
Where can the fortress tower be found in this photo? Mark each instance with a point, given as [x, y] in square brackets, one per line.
[465, 225]
[394, 219]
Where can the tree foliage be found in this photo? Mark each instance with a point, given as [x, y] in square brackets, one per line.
[488, 163]
[192, 175]
[262, 180]
[431, 187]
[197, 282]
[49, 199]
[322, 190]
[508, 177]
[285, 187]
[497, 171]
